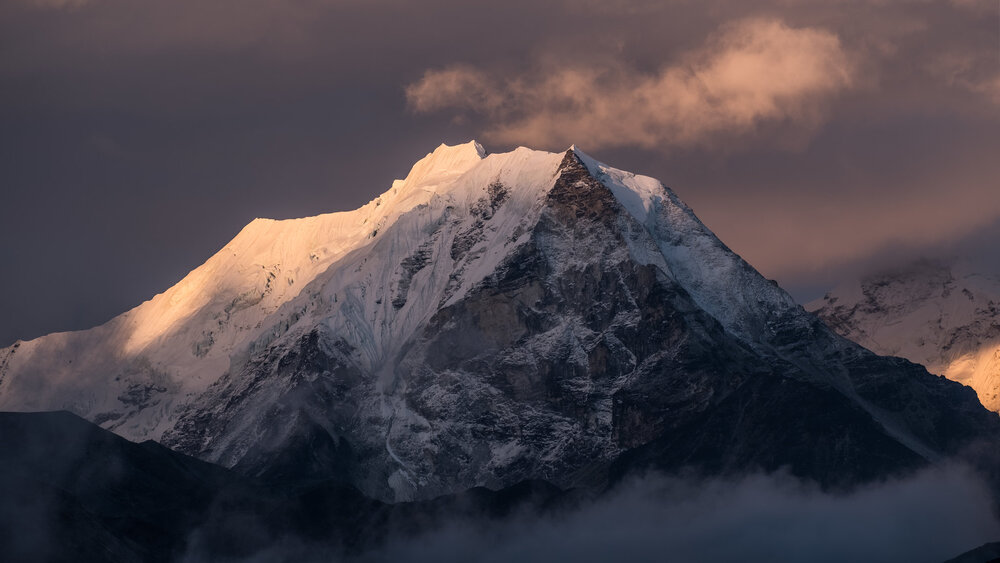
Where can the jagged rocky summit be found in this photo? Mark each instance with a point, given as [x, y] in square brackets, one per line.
[488, 320]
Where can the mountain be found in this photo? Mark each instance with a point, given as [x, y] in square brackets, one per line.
[946, 317]
[489, 320]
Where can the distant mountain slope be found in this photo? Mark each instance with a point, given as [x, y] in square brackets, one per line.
[946, 318]
[492, 320]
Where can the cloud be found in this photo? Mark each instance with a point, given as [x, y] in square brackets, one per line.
[749, 73]
[991, 88]
[930, 517]
[969, 69]
[978, 5]
[458, 86]
[56, 4]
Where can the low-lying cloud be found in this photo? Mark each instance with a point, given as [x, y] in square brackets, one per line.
[931, 516]
[749, 73]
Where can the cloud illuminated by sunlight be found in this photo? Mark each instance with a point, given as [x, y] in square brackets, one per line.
[748, 73]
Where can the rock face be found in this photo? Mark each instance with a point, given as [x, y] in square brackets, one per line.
[491, 320]
[945, 317]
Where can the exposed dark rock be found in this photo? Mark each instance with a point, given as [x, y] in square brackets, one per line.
[410, 266]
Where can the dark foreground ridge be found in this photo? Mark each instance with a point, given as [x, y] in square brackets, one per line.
[72, 492]
[987, 553]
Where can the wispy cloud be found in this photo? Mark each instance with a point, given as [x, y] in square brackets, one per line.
[749, 73]
[56, 4]
[972, 70]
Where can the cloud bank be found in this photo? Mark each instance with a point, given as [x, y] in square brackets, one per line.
[928, 517]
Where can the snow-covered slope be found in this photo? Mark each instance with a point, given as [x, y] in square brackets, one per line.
[946, 317]
[131, 374]
[490, 319]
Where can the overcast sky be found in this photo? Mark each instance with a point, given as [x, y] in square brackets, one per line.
[817, 138]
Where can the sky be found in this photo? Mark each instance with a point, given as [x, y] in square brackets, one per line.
[818, 139]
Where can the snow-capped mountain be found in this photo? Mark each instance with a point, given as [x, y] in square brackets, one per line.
[487, 320]
[946, 317]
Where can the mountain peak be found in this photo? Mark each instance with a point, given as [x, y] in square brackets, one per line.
[468, 148]
[592, 164]
[445, 162]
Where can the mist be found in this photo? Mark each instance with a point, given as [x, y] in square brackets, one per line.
[930, 516]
